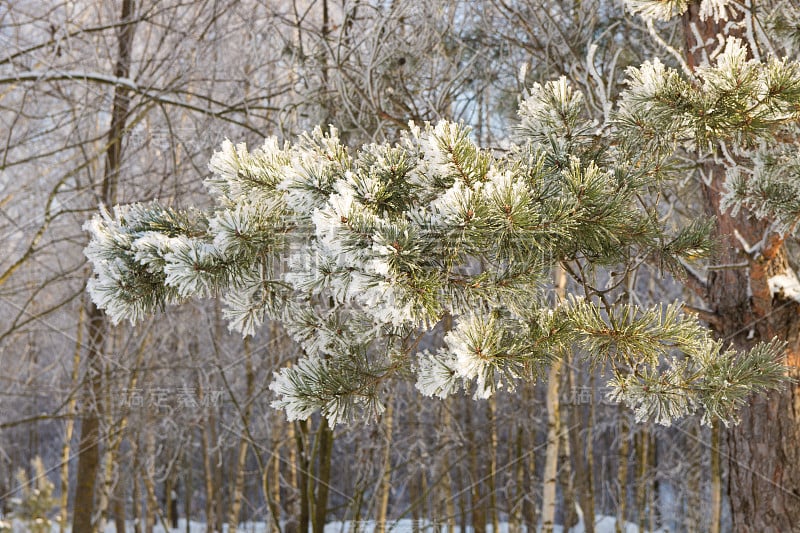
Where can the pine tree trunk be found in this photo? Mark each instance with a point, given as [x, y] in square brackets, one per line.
[764, 449]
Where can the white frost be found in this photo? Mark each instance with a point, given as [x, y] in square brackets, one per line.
[786, 285]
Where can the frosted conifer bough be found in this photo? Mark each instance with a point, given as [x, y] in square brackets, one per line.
[359, 254]
[667, 9]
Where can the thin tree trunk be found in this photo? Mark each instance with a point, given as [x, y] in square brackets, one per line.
[642, 460]
[113, 441]
[515, 506]
[271, 477]
[622, 471]
[188, 489]
[716, 480]
[462, 505]
[149, 481]
[241, 457]
[293, 504]
[385, 486]
[303, 465]
[588, 511]
[491, 412]
[694, 513]
[89, 451]
[118, 506]
[476, 475]
[63, 513]
[89, 443]
[208, 476]
[323, 480]
[550, 480]
[566, 471]
[415, 497]
[446, 477]
[580, 451]
[218, 468]
[169, 489]
[654, 489]
[137, 492]
[529, 508]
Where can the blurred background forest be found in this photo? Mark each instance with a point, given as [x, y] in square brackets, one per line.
[108, 102]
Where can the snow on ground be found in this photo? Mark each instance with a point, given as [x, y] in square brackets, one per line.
[605, 524]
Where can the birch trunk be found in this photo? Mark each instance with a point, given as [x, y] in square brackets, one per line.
[553, 427]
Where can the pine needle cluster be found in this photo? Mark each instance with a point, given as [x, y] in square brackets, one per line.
[359, 253]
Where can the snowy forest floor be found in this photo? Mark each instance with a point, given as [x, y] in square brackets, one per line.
[605, 524]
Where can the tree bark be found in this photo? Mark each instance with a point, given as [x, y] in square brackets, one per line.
[643, 476]
[622, 471]
[303, 465]
[716, 480]
[580, 453]
[323, 479]
[553, 428]
[529, 514]
[491, 413]
[385, 484]
[764, 464]
[475, 472]
[69, 426]
[89, 451]
[241, 456]
[693, 516]
[89, 443]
